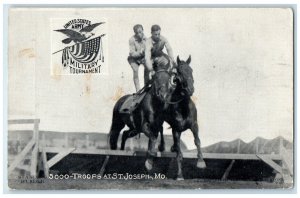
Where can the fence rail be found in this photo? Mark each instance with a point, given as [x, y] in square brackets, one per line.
[35, 147]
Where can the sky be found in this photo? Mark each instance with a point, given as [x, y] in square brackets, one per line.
[242, 61]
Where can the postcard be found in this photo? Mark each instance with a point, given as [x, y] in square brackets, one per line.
[150, 98]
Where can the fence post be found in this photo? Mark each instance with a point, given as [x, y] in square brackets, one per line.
[280, 145]
[35, 151]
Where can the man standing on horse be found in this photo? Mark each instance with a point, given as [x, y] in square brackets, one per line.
[137, 55]
[154, 55]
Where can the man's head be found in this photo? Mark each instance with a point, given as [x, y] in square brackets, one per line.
[155, 32]
[139, 31]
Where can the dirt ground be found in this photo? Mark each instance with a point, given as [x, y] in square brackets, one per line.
[42, 184]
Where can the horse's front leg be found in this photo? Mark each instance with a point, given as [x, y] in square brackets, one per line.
[179, 157]
[161, 146]
[200, 162]
[127, 134]
[151, 145]
[151, 151]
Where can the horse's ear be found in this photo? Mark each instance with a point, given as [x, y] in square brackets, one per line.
[178, 60]
[188, 61]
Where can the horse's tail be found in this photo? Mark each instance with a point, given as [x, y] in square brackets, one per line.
[116, 126]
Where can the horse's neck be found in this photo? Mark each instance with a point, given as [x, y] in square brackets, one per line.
[182, 107]
[177, 93]
[163, 67]
[183, 99]
[153, 98]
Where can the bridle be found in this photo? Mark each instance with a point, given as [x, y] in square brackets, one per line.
[171, 82]
[176, 102]
[158, 88]
[183, 96]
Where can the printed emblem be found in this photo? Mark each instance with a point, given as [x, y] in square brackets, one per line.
[82, 50]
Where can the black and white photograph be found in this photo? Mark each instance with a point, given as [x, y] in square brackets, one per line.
[137, 98]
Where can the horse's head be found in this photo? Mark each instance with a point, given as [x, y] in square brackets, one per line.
[185, 76]
[163, 84]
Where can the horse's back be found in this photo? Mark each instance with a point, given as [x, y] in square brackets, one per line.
[120, 102]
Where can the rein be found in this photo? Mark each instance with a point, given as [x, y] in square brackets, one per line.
[162, 70]
[176, 102]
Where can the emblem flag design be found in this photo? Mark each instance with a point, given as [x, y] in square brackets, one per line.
[81, 47]
[84, 52]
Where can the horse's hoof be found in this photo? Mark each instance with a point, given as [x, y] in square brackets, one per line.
[201, 164]
[173, 148]
[161, 148]
[149, 165]
[180, 178]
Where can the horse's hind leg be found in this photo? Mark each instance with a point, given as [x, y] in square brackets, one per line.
[127, 134]
[114, 135]
[179, 157]
[161, 146]
[116, 127]
[200, 162]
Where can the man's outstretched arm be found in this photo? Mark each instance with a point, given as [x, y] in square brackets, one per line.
[169, 50]
[148, 55]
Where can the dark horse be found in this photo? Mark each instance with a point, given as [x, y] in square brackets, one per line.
[148, 116]
[182, 114]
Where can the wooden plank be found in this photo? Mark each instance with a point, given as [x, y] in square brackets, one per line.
[280, 145]
[19, 131]
[102, 170]
[21, 156]
[92, 151]
[36, 130]
[34, 161]
[45, 163]
[23, 121]
[287, 159]
[35, 151]
[59, 156]
[271, 163]
[191, 155]
[225, 175]
[24, 167]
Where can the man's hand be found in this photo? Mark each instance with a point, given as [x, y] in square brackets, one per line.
[151, 73]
